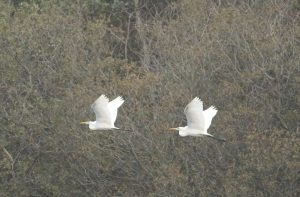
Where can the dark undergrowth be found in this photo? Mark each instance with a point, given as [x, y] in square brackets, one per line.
[57, 57]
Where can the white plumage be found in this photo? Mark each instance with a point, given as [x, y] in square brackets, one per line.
[198, 121]
[209, 114]
[106, 113]
[194, 114]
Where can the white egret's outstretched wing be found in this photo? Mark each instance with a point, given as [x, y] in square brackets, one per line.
[101, 109]
[113, 107]
[208, 115]
[194, 114]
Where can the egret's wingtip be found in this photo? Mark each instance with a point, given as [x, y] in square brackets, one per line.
[197, 99]
[122, 98]
[104, 96]
[214, 107]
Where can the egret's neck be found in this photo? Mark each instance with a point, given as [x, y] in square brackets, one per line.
[93, 125]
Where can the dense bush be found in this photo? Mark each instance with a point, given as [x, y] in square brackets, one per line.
[57, 57]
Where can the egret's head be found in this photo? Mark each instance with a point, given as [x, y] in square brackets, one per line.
[180, 129]
[92, 124]
[177, 129]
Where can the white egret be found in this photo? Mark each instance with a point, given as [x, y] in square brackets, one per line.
[198, 121]
[106, 113]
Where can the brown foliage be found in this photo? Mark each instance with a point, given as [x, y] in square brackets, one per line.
[241, 56]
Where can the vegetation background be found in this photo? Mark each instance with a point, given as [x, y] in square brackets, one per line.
[58, 56]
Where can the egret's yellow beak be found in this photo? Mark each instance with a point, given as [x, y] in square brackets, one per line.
[172, 129]
[84, 122]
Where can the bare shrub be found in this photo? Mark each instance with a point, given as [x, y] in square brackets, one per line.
[57, 58]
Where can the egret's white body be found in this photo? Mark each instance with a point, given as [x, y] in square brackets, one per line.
[198, 121]
[106, 113]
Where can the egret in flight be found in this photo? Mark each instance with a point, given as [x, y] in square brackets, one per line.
[106, 113]
[198, 121]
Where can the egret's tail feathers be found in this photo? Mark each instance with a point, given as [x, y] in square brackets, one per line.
[123, 129]
[221, 139]
[126, 130]
[117, 102]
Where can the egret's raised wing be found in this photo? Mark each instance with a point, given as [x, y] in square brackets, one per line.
[100, 107]
[208, 115]
[113, 107]
[194, 114]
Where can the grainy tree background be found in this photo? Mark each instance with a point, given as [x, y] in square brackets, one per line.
[57, 57]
